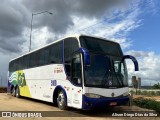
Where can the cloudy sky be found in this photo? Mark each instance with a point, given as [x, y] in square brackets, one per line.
[132, 23]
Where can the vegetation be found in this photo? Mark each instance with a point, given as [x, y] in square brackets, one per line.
[156, 86]
[145, 92]
[148, 103]
[3, 89]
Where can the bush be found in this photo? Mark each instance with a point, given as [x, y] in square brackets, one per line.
[144, 92]
[147, 103]
[158, 93]
[3, 90]
[132, 91]
[151, 93]
[139, 92]
[156, 86]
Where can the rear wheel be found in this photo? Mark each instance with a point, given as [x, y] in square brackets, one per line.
[61, 100]
[17, 92]
[13, 92]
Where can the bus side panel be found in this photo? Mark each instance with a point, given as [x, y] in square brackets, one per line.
[40, 80]
[18, 78]
[40, 83]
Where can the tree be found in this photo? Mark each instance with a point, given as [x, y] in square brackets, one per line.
[156, 86]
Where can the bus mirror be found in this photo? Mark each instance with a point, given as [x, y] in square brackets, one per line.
[86, 55]
[134, 61]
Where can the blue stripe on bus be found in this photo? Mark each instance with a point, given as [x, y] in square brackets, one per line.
[91, 103]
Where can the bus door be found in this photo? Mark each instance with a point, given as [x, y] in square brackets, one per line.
[76, 79]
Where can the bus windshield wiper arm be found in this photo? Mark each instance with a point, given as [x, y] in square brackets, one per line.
[106, 77]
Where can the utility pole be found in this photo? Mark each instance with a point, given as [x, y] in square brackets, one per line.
[30, 41]
[1, 80]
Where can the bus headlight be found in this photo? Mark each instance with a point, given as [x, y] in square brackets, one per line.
[91, 95]
[125, 94]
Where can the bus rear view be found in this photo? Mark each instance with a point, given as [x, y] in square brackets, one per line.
[105, 74]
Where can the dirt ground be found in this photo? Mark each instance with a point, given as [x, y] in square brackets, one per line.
[10, 103]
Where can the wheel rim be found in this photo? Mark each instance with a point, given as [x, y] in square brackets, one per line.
[13, 91]
[61, 99]
[17, 92]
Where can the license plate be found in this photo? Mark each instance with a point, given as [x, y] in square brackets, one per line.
[113, 104]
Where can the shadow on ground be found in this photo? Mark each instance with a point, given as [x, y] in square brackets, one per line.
[72, 112]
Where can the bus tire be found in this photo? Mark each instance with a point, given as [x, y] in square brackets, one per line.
[61, 100]
[13, 92]
[17, 92]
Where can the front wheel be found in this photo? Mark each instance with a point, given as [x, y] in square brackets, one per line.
[61, 100]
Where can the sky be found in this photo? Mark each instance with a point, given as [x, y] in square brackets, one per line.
[132, 23]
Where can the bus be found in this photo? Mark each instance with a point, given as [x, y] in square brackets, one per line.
[79, 71]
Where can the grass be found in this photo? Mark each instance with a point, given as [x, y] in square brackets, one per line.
[147, 103]
[147, 93]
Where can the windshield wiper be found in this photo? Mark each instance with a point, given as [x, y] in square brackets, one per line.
[106, 78]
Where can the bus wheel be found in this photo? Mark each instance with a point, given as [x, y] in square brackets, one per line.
[13, 91]
[17, 92]
[61, 100]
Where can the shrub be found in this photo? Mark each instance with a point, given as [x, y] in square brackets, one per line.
[147, 103]
[139, 92]
[144, 92]
[132, 91]
[158, 93]
[149, 93]
[153, 93]
[3, 90]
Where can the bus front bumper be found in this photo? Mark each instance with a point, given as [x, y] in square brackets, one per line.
[92, 103]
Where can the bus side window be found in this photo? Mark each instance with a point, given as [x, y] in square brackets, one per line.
[70, 46]
[56, 53]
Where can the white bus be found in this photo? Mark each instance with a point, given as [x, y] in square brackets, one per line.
[79, 71]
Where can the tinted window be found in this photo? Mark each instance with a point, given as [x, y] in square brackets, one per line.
[76, 70]
[11, 68]
[20, 62]
[32, 62]
[25, 62]
[99, 45]
[70, 46]
[43, 57]
[56, 53]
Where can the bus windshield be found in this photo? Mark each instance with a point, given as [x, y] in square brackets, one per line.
[106, 69]
[101, 46]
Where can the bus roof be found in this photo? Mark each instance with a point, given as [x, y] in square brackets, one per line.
[76, 35]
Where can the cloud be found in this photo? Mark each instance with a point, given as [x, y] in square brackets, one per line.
[12, 23]
[138, 53]
[149, 66]
[16, 17]
[112, 19]
[152, 6]
[64, 10]
[114, 27]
